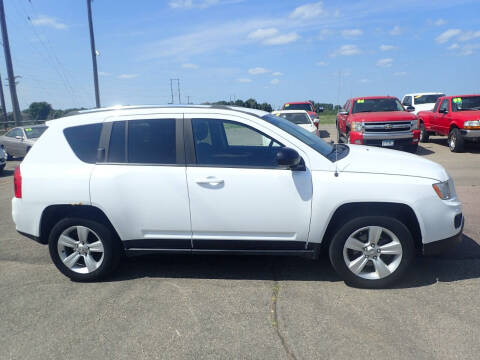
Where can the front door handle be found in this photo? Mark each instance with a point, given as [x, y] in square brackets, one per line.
[211, 180]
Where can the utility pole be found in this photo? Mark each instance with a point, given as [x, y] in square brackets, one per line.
[4, 108]
[94, 54]
[178, 88]
[17, 115]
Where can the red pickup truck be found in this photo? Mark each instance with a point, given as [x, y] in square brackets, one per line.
[378, 121]
[457, 117]
[303, 105]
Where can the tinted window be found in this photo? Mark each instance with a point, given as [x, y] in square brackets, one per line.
[444, 105]
[116, 148]
[84, 141]
[296, 118]
[229, 143]
[377, 105]
[427, 99]
[436, 106]
[466, 103]
[35, 132]
[407, 101]
[306, 107]
[14, 132]
[152, 141]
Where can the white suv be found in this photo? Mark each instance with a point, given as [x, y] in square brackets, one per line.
[203, 179]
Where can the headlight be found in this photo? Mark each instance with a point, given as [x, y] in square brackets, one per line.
[356, 126]
[475, 124]
[414, 124]
[445, 190]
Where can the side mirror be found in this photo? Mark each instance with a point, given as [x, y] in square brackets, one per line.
[410, 108]
[342, 112]
[289, 158]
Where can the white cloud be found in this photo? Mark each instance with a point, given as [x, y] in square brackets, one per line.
[263, 33]
[351, 33]
[387, 62]
[447, 35]
[282, 39]
[440, 22]
[258, 71]
[277, 73]
[43, 20]
[308, 11]
[347, 50]
[469, 49]
[274, 81]
[324, 34]
[189, 66]
[400, 73]
[103, 73]
[202, 4]
[127, 76]
[397, 30]
[387, 47]
[244, 80]
[469, 35]
[321, 63]
[453, 46]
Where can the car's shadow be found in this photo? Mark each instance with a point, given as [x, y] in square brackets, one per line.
[461, 264]
[423, 150]
[7, 172]
[470, 147]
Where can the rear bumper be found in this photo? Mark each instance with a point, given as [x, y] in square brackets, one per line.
[437, 247]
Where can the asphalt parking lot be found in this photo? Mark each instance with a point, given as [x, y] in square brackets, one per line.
[226, 307]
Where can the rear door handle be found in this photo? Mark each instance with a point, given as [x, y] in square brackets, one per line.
[212, 180]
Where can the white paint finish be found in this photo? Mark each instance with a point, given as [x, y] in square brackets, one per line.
[143, 202]
[250, 204]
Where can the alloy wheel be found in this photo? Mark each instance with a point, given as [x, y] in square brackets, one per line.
[80, 249]
[372, 252]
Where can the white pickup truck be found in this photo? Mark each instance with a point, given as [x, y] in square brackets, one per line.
[420, 101]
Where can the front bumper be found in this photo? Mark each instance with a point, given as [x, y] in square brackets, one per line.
[437, 247]
[400, 139]
[470, 134]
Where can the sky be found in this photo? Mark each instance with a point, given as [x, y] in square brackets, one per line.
[272, 50]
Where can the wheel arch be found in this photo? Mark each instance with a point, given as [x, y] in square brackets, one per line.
[348, 211]
[54, 213]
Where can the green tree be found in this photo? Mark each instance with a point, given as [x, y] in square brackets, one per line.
[39, 110]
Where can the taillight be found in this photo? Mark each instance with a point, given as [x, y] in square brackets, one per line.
[17, 182]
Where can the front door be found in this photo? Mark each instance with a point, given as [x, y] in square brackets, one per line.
[141, 185]
[239, 198]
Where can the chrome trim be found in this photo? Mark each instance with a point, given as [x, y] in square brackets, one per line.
[387, 135]
[470, 133]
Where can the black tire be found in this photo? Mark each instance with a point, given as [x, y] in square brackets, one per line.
[411, 148]
[456, 143]
[9, 157]
[424, 135]
[336, 251]
[339, 135]
[111, 249]
[2, 168]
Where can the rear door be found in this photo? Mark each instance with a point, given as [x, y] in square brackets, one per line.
[141, 184]
[239, 198]
[12, 144]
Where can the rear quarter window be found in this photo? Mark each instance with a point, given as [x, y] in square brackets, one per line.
[84, 140]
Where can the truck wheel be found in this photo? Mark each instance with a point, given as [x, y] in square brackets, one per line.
[424, 135]
[83, 250]
[372, 251]
[456, 143]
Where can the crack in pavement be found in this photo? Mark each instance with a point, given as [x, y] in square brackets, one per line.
[274, 316]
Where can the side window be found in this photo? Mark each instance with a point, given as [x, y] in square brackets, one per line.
[407, 101]
[14, 132]
[116, 148]
[229, 143]
[437, 103]
[84, 141]
[152, 141]
[444, 106]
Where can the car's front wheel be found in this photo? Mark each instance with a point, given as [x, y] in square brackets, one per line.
[456, 143]
[372, 251]
[83, 250]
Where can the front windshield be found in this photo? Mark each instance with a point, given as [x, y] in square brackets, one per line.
[34, 132]
[427, 99]
[306, 107]
[376, 105]
[301, 134]
[296, 118]
[466, 103]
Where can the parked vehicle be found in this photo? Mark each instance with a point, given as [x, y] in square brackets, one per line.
[303, 105]
[300, 118]
[226, 180]
[378, 121]
[3, 159]
[420, 101]
[457, 117]
[18, 141]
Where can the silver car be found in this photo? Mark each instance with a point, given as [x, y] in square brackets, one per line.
[19, 140]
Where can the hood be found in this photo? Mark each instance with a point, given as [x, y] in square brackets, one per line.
[368, 159]
[383, 116]
[308, 127]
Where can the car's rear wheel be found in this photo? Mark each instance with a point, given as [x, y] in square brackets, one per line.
[424, 135]
[372, 252]
[456, 143]
[83, 250]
